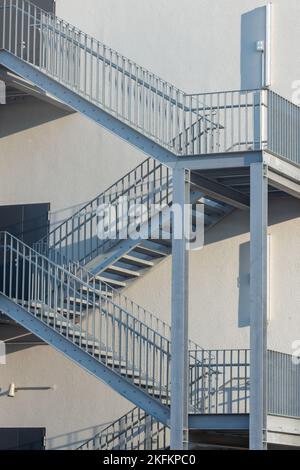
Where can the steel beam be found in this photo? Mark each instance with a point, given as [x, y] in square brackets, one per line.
[219, 422]
[258, 305]
[282, 167]
[219, 160]
[179, 328]
[23, 86]
[284, 184]
[220, 192]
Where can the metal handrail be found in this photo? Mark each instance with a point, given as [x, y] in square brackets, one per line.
[209, 393]
[224, 391]
[115, 337]
[129, 92]
[135, 310]
[109, 332]
[185, 124]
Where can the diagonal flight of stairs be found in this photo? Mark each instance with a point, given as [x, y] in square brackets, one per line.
[114, 256]
[133, 431]
[67, 290]
[96, 333]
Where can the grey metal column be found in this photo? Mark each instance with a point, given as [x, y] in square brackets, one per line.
[179, 337]
[2, 92]
[258, 305]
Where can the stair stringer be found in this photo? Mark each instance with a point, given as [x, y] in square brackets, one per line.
[70, 350]
[86, 108]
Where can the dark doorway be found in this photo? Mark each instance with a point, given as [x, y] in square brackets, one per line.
[29, 223]
[22, 438]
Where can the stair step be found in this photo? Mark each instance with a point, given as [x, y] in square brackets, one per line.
[78, 301]
[40, 306]
[161, 241]
[143, 263]
[120, 271]
[92, 348]
[102, 292]
[149, 248]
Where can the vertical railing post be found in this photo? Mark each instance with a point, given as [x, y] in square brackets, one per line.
[148, 432]
[258, 305]
[179, 337]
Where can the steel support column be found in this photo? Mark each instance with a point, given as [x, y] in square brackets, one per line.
[179, 337]
[258, 305]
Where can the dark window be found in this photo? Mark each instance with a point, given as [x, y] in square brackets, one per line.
[29, 222]
[22, 438]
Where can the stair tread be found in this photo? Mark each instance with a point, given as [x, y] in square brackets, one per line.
[130, 259]
[105, 293]
[114, 269]
[151, 249]
[107, 355]
[108, 280]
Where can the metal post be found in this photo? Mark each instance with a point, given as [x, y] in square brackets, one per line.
[2, 92]
[258, 120]
[258, 306]
[179, 336]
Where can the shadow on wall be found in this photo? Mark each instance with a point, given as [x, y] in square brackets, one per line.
[281, 209]
[253, 29]
[18, 117]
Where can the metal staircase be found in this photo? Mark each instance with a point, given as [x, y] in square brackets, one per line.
[115, 256]
[120, 95]
[67, 290]
[223, 385]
